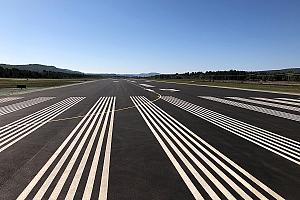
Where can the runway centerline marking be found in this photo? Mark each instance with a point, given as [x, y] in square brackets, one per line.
[117, 110]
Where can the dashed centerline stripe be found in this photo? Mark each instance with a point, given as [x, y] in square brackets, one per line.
[18, 106]
[267, 111]
[280, 145]
[7, 99]
[13, 132]
[84, 135]
[169, 130]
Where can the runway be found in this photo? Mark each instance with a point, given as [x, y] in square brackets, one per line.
[142, 139]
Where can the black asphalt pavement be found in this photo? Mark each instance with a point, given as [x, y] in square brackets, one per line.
[140, 139]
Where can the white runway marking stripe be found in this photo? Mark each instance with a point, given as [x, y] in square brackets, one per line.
[18, 106]
[7, 99]
[276, 113]
[169, 89]
[169, 132]
[275, 105]
[83, 138]
[15, 131]
[150, 90]
[280, 145]
[147, 86]
[277, 101]
[288, 99]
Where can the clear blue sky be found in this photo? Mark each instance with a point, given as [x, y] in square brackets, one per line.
[130, 36]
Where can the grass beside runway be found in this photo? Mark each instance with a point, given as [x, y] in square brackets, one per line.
[8, 86]
[268, 86]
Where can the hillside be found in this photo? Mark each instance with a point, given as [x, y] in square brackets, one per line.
[39, 68]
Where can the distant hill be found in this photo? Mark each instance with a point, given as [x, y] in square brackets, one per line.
[39, 68]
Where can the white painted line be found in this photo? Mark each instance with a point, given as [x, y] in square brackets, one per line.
[277, 101]
[85, 137]
[66, 172]
[249, 132]
[267, 111]
[92, 174]
[150, 90]
[30, 119]
[105, 171]
[10, 136]
[253, 133]
[160, 118]
[44, 169]
[193, 158]
[18, 106]
[147, 86]
[169, 89]
[186, 131]
[177, 166]
[77, 177]
[7, 99]
[288, 99]
[275, 105]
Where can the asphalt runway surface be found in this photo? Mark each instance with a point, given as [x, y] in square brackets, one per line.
[140, 139]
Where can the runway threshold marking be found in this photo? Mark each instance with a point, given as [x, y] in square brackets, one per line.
[116, 110]
[267, 111]
[280, 145]
[170, 133]
[17, 130]
[21, 105]
[277, 101]
[275, 105]
[7, 99]
[83, 138]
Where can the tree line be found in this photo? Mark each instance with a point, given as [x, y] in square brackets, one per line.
[16, 73]
[234, 75]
